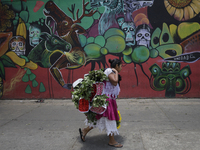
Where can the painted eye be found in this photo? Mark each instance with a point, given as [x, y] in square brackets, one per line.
[14, 44]
[55, 41]
[146, 34]
[165, 37]
[156, 40]
[139, 35]
[125, 29]
[20, 44]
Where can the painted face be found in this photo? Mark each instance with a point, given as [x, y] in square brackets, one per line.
[18, 45]
[34, 35]
[143, 37]
[129, 30]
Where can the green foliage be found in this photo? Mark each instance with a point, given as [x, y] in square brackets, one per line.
[91, 117]
[97, 75]
[99, 100]
[85, 89]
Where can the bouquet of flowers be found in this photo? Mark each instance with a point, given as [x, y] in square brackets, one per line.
[87, 95]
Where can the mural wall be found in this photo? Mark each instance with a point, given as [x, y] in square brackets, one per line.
[46, 45]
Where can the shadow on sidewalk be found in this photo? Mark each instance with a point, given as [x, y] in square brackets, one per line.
[99, 142]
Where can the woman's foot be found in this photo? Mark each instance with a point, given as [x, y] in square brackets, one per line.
[82, 135]
[114, 143]
[117, 145]
[84, 132]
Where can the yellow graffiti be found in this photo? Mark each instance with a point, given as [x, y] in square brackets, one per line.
[11, 86]
[21, 61]
[21, 29]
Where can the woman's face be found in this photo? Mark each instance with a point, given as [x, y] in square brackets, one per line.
[118, 67]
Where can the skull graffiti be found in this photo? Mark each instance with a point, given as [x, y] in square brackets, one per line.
[129, 29]
[143, 35]
[34, 34]
[18, 45]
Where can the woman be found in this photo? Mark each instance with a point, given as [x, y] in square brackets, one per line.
[107, 120]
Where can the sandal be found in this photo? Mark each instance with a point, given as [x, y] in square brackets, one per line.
[81, 135]
[117, 145]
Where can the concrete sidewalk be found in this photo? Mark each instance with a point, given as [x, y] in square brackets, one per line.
[147, 124]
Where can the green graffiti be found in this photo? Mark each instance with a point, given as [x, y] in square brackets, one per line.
[25, 78]
[28, 89]
[100, 40]
[112, 32]
[127, 59]
[42, 88]
[87, 22]
[170, 78]
[115, 44]
[82, 40]
[140, 54]
[34, 83]
[29, 76]
[93, 50]
[111, 43]
[32, 76]
[104, 51]
[90, 40]
[163, 42]
[128, 51]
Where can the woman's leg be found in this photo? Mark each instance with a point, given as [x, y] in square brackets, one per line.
[85, 131]
[112, 142]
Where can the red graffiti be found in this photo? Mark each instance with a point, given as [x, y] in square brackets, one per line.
[38, 5]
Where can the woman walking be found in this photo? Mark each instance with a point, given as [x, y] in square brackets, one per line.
[107, 120]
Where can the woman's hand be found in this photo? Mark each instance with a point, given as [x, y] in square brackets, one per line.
[114, 70]
[113, 77]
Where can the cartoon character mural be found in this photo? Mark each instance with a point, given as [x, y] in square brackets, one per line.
[129, 30]
[68, 29]
[34, 34]
[170, 78]
[143, 35]
[17, 44]
[108, 18]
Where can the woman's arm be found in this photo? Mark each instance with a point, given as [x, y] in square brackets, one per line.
[113, 77]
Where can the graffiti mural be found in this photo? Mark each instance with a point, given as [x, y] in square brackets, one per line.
[46, 45]
[170, 78]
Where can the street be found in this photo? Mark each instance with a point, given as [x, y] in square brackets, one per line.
[147, 124]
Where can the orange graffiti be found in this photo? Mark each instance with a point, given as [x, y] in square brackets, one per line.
[11, 85]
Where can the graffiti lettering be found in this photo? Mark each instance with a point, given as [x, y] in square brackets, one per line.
[190, 57]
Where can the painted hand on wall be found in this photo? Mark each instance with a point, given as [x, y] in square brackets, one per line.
[170, 78]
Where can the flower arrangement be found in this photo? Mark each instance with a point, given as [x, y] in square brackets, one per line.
[118, 122]
[86, 96]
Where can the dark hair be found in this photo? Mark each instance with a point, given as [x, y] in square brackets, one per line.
[114, 62]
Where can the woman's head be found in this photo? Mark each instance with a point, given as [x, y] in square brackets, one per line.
[116, 63]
